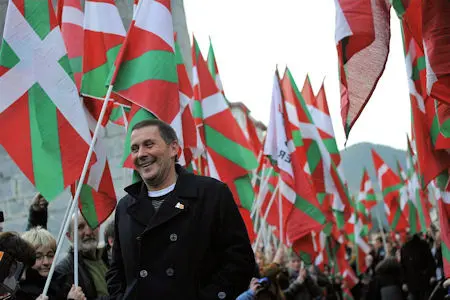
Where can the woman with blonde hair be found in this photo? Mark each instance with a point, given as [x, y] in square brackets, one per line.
[32, 285]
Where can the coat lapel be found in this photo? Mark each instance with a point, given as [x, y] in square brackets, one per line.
[171, 207]
[140, 208]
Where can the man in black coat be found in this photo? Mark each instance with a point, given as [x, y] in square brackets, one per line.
[177, 235]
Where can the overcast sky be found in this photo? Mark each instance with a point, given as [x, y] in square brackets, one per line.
[250, 37]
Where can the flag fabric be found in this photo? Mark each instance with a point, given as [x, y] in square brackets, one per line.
[429, 141]
[362, 38]
[97, 199]
[390, 184]
[442, 195]
[71, 19]
[321, 116]
[191, 141]
[320, 165]
[229, 155]
[120, 114]
[104, 34]
[301, 211]
[308, 93]
[366, 195]
[145, 71]
[436, 45]
[213, 69]
[39, 99]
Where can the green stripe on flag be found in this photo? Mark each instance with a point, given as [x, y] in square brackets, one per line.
[321, 197]
[331, 146]
[197, 111]
[94, 83]
[434, 131]
[412, 218]
[313, 156]
[46, 154]
[65, 64]
[445, 251]
[309, 209]
[397, 216]
[340, 219]
[227, 148]
[245, 191]
[420, 66]
[116, 113]
[76, 64]
[88, 206]
[297, 138]
[398, 7]
[8, 58]
[306, 258]
[392, 188]
[37, 15]
[152, 65]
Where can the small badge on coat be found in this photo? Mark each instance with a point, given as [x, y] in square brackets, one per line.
[179, 205]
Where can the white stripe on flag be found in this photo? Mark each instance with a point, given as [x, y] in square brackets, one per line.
[103, 17]
[342, 27]
[213, 105]
[73, 16]
[154, 17]
[39, 64]
[322, 120]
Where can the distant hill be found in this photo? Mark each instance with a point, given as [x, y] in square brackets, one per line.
[358, 156]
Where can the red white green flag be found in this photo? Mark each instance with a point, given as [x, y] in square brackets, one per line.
[71, 19]
[104, 34]
[97, 199]
[283, 144]
[442, 195]
[145, 71]
[436, 45]
[317, 153]
[213, 69]
[362, 38]
[229, 155]
[390, 184]
[39, 99]
[426, 131]
[366, 195]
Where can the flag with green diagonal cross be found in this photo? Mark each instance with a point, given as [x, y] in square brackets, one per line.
[230, 157]
[321, 166]
[39, 100]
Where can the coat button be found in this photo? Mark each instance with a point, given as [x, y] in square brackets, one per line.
[170, 272]
[143, 273]
[173, 237]
[222, 295]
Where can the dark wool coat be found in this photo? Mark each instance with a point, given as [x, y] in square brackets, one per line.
[195, 247]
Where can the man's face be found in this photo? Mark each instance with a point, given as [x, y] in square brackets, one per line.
[152, 157]
[44, 260]
[87, 238]
[295, 264]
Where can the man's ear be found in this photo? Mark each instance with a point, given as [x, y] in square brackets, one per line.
[174, 148]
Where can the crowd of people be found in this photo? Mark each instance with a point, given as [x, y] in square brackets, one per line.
[409, 268]
[396, 269]
[176, 235]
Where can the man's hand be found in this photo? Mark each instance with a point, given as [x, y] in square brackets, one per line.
[42, 297]
[254, 284]
[76, 293]
[39, 203]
